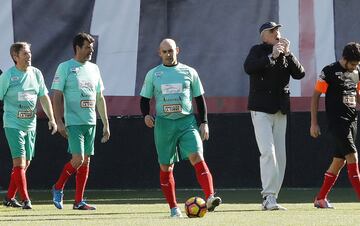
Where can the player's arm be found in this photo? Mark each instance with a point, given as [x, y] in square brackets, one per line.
[320, 87]
[315, 129]
[59, 111]
[102, 109]
[358, 93]
[145, 110]
[202, 110]
[47, 107]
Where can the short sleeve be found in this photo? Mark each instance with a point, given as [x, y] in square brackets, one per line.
[4, 85]
[147, 89]
[197, 88]
[321, 85]
[42, 87]
[100, 84]
[59, 78]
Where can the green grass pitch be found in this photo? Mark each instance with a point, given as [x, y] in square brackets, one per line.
[147, 207]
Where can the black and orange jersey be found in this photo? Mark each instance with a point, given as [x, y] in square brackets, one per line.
[340, 87]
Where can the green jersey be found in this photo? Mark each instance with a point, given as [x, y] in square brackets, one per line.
[173, 89]
[19, 90]
[80, 84]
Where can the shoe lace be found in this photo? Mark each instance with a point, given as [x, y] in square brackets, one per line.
[271, 199]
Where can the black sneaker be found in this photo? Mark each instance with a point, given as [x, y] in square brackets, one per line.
[27, 205]
[83, 206]
[11, 203]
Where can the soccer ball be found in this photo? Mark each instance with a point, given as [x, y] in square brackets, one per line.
[195, 207]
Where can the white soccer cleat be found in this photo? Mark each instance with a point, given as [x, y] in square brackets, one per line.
[322, 204]
[175, 212]
[270, 204]
[212, 202]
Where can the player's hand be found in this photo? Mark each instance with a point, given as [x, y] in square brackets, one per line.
[315, 131]
[204, 131]
[277, 49]
[106, 134]
[52, 126]
[286, 44]
[149, 121]
[61, 129]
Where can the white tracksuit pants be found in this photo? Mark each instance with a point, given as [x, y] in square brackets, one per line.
[270, 131]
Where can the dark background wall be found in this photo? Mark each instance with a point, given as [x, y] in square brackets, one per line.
[129, 159]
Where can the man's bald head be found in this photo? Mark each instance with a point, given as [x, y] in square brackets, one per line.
[168, 52]
[167, 42]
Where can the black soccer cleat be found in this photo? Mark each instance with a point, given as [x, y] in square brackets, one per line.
[11, 203]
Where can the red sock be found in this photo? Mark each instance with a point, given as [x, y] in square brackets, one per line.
[81, 179]
[353, 173]
[20, 181]
[67, 171]
[329, 181]
[12, 186]
[204, 178]
[167, 184]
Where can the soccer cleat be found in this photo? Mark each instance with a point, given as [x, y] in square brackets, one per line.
[270, 203]
[175, 212]
[11, 203]
[212, 202]
[322, 204]
[83, 206]
[57, 197]
[27, 205]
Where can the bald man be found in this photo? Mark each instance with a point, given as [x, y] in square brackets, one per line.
[173, 85]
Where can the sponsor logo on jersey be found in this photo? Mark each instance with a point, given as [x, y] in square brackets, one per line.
[84, 84]
[25, 114]
[27, 96]
[172, 108]
[14, 78]
[158, 74]
[171, 88]
[349, 101]
[87, 103]
[166, 99]
[75, 70]
[322, 76]
[56, 79]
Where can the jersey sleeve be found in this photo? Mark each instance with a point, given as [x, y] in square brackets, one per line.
[4, 85]
[196, 86]
[321, 84]
[147, 89]
[59, 78]
[42, 87]
[100, 84]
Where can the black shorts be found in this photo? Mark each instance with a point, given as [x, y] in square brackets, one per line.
[343, 136]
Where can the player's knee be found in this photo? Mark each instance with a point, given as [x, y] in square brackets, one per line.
[196, 157]
[76, 162]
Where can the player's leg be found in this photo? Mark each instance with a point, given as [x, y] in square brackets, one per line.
[82, 173]
[353, 172]
[330, 178]
[351, 157]
[165, 142]
[191, 146]
[17, 142]
[10, 199]
[75, 148]
[269, 171]
[167, 184]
